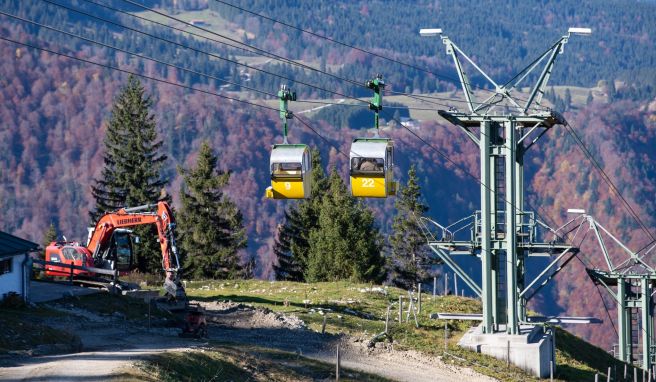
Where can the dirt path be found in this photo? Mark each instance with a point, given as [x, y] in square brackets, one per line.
[245, 325]
[113, 345]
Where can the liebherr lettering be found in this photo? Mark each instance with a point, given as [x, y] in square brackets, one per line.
[129, 221]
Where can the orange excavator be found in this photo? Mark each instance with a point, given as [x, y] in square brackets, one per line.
[110, 246]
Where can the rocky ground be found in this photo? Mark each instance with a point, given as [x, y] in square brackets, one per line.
[111, 346]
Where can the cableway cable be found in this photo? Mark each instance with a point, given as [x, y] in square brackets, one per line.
[607, 179]
[211, 54]
[203, 52]
[137, 54]
[454, 80]
[254, 48]
[134, 73]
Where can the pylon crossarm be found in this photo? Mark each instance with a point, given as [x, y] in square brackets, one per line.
[464, 81]
[602, 244]
[515, 81]
[470, 134]
[496, 86]
[632, 254]
[530, 131]
[540, 85]
[454, 51]
[548, 279]
[600, 277]
[546, 269]
[444, 256]
[652, 244]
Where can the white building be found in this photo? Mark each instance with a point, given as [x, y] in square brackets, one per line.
[15, 264]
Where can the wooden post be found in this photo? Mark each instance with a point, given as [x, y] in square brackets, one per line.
[323, 326]
[508, 353]
[446, 331]
[400, 309]
[419, 297]
[455, 284]
[337, 366]
[434, 285]
[446, 283]
[387, 318]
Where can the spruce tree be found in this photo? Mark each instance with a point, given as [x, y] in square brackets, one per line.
[292, 243]
[50, 235]
[131, 175]
[346, 244]
[409, 253]
[210, 225]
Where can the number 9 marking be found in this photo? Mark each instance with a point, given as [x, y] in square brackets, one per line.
[367, 183]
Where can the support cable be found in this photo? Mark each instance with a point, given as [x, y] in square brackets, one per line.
[185, 69]
[454, 80]
[607, 179]
[204, 52]
[602, 299]
[254, 48]
[222, 42]
[137, 54]
[134, 73]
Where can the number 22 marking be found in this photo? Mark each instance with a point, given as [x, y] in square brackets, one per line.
[367, 182]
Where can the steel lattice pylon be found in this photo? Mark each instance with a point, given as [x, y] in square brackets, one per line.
[503, 233]
[635, 282]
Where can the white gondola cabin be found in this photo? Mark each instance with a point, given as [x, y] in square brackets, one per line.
[290, 167]
[372, 166]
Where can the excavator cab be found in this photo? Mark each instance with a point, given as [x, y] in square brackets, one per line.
[118, 252]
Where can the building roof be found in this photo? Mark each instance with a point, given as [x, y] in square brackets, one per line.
[11, 245]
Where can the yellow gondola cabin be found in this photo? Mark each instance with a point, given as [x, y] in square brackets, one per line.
[371, 163]
[291, 168]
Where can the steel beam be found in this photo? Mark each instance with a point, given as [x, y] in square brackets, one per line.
[647, 320]
[621, 320]
[486, 249]
[456, 268]
[511, 230]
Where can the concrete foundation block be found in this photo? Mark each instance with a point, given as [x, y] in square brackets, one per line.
[532, 350]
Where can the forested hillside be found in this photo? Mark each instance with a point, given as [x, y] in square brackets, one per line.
[54, 109]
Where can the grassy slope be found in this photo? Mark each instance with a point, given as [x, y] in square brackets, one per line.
[352, 309]
[576, 359]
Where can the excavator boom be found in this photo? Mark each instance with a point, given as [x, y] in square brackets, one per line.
[158, 214]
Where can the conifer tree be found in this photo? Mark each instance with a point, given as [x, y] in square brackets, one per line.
[131, 175]
[346, 244]
[210, 225]
[409, 253]
[50, 235]
[292, 243]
